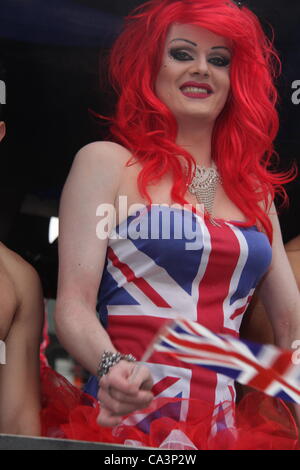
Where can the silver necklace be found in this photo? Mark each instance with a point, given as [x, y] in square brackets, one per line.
[204, 187]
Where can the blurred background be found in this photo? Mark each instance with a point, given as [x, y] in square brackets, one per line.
[54, 55]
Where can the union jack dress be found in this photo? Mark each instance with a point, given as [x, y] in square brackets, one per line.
[164, 262]
[167, 262]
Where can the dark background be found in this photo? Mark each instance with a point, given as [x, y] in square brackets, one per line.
[54, 52]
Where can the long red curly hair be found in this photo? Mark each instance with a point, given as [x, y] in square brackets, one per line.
[242, 143]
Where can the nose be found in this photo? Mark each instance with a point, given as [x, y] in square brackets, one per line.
[200, 67]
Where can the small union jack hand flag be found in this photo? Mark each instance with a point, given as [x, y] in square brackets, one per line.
[264, 367]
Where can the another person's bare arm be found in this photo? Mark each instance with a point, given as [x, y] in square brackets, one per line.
[21, 319]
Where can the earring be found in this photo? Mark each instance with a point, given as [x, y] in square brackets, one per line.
[239, 3]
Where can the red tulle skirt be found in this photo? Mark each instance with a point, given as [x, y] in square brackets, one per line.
[261, 422]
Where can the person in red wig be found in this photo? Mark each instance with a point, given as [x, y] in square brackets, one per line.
[194, 126]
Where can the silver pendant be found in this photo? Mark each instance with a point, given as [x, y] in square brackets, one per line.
[204, 187]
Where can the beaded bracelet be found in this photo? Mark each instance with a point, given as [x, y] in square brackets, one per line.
[110, 359]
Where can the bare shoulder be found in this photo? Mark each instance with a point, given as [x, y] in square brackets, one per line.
[20, 273]
[9, 300]
[267, 205]
[97, 170]
[13, 262]
[272, 213]
[104, 154]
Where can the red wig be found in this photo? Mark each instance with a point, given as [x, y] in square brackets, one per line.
[243, 136]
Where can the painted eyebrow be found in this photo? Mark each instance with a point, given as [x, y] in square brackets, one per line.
[185, 40]
[194, 44]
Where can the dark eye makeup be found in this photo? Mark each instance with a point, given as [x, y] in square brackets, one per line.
[182, 55]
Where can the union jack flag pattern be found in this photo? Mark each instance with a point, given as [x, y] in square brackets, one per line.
[263, 367]
[165, 262]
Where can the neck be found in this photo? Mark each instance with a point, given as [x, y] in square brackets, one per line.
[196, 140]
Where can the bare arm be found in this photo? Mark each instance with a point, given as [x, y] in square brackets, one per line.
[93, 180]
[279, 292]
[20, 377]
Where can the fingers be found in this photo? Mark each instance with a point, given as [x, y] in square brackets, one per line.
[128, 378]
[107, 419]
[121, 404]
[125, 389]
[142, 377]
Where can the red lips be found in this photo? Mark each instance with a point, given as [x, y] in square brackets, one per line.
[205, 86]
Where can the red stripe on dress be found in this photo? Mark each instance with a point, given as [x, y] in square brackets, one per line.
[141, 283]
[232, 392]
[213, 289]
[229, 331]
[163, 384]
[241, 310]
[215, 284]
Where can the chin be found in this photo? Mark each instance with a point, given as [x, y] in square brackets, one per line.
[197, 115]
